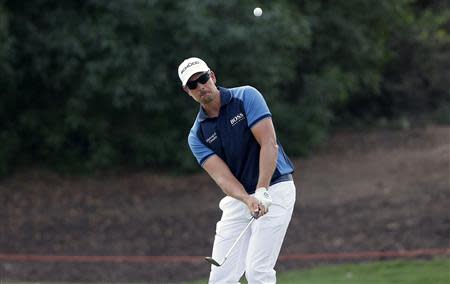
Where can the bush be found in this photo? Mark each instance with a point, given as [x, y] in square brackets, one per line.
[92, 85]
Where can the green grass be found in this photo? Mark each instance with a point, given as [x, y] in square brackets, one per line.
[436, 271]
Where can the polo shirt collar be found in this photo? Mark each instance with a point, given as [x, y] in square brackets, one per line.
[225, 98]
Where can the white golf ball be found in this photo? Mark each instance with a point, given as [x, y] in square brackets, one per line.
[257, 12]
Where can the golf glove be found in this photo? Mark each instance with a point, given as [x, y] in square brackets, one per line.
[263, 196]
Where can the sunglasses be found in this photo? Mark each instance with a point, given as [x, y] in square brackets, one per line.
[192, 85]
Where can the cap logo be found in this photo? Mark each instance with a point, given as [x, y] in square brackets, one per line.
[189, 65]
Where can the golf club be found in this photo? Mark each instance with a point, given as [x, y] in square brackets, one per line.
[214, 262]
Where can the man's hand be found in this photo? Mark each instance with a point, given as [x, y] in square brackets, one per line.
[254, 206]
[264, 198]
[264, 201]
[259, 203]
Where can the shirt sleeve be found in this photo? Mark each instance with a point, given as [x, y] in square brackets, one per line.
[200, 151]
[255, 106]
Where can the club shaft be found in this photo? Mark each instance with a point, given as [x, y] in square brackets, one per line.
[238, 238]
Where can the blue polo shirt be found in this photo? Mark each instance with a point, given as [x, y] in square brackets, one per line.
[229, 136]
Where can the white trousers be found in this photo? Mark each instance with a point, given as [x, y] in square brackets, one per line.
[258, 250]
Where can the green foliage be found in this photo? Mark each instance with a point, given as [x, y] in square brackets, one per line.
[9, 140]
[414, 81]
[442, 114]
[92, 85]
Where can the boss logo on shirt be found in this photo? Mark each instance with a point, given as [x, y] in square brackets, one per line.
[211, 138]
[237, 118]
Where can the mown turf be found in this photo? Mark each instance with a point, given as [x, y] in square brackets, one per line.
[436, 271]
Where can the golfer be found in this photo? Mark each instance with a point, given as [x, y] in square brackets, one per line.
[234, 140]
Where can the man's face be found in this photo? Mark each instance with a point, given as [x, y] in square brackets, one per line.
[201, 87]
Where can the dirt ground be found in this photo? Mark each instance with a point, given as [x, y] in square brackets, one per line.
[377, 190]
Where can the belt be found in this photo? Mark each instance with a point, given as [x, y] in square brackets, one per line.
[286, 177]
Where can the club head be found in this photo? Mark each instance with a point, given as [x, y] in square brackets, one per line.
[212, 261]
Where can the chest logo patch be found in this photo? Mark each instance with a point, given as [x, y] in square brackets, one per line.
[211, 138]
[237, 118]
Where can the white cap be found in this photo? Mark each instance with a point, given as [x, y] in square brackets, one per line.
[189, 67]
